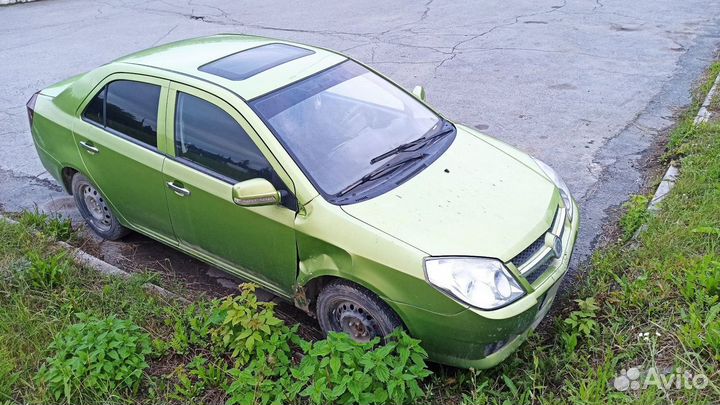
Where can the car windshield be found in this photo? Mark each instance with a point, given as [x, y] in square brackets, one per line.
[335, 122]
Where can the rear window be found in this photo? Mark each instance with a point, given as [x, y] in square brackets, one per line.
[248, 63]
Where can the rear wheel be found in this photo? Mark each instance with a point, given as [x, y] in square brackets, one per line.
[95, 210]
[346, 307]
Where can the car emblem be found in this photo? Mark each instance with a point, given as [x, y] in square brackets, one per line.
[554, 243]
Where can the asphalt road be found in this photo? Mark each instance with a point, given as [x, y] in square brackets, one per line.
[588, 86]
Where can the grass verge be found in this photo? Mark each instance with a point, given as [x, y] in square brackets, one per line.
[69, 335]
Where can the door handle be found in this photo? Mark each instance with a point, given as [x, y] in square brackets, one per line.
[89, 147]
[179, 190]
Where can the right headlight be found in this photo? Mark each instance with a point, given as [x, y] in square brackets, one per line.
[480, 282]
[564, 190]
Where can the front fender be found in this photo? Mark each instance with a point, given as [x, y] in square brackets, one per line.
[332, 243]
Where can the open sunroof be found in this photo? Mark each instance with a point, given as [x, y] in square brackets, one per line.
[248, 63]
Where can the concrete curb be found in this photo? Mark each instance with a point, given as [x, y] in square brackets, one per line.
[703, 114]
[86, 260]
[673, 171]
[10, 2]
[666, 184]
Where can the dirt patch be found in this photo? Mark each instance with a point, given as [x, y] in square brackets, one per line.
[183, 274]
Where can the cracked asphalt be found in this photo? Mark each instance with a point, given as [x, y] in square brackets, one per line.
[588, 86]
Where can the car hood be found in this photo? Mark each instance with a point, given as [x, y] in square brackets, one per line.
[474, 200]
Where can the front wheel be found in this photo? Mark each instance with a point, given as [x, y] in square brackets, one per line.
[95, 210]
[346, 307]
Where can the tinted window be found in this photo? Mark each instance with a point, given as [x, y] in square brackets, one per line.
[208, 136]
[95, 110]
[132, 108]
[244, 64]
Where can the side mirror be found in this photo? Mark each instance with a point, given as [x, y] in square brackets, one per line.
[255, 193]
[419, 92]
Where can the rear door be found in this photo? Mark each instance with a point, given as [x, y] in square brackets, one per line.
[213, 148]
[121, 136]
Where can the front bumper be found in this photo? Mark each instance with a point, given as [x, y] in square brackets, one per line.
[481, 339]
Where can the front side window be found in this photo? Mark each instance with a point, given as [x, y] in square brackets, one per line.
[337, 122]
[128, 107]
[208, 136]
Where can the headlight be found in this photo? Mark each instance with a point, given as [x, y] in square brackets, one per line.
[480, 282]
[564, 190]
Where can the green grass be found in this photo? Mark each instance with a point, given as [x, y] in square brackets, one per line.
[54, 226]
[635, 216]
[71, 335]
[685, 128]
[34, 309]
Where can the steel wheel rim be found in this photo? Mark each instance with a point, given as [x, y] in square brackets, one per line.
[353, 319]
[96, 206]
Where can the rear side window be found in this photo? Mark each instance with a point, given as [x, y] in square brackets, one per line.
[95, 111]
[208, 136]
[128, 107]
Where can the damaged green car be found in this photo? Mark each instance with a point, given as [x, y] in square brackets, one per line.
[324, 182]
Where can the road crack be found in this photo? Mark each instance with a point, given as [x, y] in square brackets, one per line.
[454, 49]
[166, 34]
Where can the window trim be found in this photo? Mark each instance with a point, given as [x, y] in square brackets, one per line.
[219, 176]
[160, 136]
[125, 137]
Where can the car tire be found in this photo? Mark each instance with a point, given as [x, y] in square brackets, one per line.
[346, 307]
[95, 210]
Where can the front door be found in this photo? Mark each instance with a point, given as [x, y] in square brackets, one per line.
[214, 148]
[118, 140]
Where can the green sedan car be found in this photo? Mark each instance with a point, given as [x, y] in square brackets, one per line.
[312, 175]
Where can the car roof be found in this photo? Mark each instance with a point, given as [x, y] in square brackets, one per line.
[187, 57]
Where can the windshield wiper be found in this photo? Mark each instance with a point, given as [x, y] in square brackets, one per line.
[446, 129]
[381, 172]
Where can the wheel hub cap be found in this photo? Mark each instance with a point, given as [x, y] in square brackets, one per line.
[96, 207]
[355, 321]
